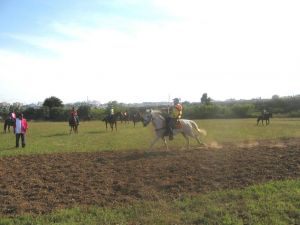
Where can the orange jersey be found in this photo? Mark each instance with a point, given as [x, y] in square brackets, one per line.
[74, 113]
[177, 111]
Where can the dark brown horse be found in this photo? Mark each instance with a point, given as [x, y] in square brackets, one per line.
[111, 120]
[264, 117]
[123, 117]
[73, 123]
[136, 117]
[8, 122]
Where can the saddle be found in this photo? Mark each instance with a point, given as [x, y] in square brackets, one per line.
[178, 125]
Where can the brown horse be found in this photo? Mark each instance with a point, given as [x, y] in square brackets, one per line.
[9, 122]
[264, 117]
[111, 120]
[123, 117]
[73, 123]
[136, 117]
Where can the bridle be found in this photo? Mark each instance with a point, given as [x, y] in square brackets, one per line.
[149, 119]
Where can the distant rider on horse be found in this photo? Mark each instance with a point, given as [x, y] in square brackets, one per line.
[265, 112]
[111, 112]
[174, 116]
[74, 114]
[12, 115]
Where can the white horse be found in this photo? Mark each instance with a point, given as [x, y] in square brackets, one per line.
[188, 128]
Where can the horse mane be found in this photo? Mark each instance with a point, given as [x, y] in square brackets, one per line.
[157, 113]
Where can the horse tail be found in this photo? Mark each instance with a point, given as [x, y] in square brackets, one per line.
[200, 131]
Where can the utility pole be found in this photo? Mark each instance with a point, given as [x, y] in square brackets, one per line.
[169, 103]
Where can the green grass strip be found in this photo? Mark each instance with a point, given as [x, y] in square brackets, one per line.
[53, 137]
[275, 202]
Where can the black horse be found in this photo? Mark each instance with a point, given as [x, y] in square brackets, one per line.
[136, 117]
[264, 117]
[8, 122]
[73, 123]
[111, 120]
[123, 117]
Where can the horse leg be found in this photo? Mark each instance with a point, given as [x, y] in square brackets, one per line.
[156, 139]
[187, 140]
[198, 140]
[165, 142]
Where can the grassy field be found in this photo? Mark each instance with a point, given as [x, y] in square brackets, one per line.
[50, 137]
[271, 203]
[275, 202]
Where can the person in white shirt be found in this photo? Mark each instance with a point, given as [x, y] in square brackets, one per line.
[20, 129]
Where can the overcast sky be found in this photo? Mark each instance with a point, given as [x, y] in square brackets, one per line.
[148, 50]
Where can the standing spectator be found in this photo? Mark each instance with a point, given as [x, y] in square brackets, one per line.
[20, 129]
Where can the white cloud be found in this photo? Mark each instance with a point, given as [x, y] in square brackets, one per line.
[227, 49]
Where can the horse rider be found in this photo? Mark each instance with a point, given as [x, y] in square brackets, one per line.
[125, 114]
[111, 112]
[12, 116]
[74, 114]
[173, 117]
[265, 112]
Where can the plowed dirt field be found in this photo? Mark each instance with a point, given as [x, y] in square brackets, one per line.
[43, 183]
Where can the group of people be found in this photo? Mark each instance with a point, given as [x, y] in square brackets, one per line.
[21, 125]
[171, 120]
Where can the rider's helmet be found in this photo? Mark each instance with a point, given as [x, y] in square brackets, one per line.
[176, 100]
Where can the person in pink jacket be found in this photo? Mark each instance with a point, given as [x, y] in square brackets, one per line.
[20, 129]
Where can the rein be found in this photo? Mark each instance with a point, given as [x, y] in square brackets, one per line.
[157, 129]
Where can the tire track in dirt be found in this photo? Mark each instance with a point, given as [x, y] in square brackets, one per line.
[43, 183]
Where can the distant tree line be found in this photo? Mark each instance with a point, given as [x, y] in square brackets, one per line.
[53, 109]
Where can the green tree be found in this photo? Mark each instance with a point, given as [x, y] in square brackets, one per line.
[117, 107]
[30, 113]
[84, 112]
[205, 100]
[53, 102]
[57, 113]
[242, 110]
[4, 109]
[16, 107]
[53, 108]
